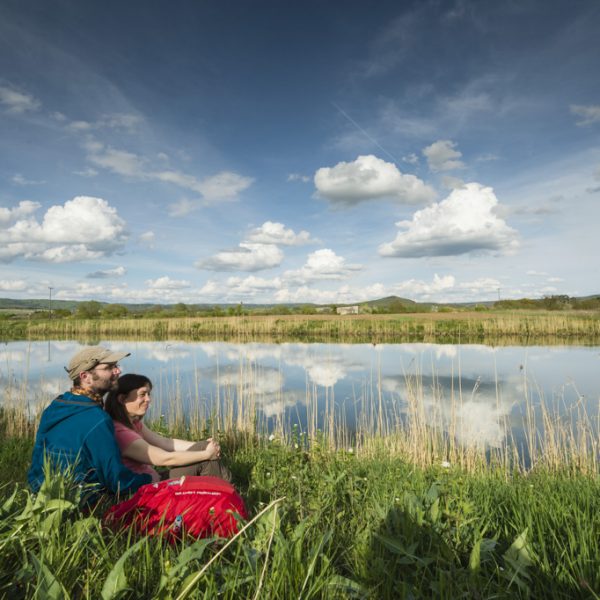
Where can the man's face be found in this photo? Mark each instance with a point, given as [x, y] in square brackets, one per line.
[103, 378]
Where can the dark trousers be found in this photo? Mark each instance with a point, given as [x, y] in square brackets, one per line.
[214, 468]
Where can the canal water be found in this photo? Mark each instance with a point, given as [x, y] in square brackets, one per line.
[481, 394]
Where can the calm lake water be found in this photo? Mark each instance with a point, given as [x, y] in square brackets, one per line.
[485, 389]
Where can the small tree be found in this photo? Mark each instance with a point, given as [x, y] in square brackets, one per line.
[88, 310]
[114, 311]
[307, 309]
[181, 309]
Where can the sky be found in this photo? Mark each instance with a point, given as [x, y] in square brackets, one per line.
[277, 152]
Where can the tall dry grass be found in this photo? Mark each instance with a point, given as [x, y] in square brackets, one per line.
[498, 327]
[423, 422]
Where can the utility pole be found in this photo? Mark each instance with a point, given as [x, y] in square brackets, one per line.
[498, 294]
[50, 301]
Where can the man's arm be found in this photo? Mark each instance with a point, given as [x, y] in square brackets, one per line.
[105, 457]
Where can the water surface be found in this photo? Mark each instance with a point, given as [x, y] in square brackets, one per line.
[478, 392]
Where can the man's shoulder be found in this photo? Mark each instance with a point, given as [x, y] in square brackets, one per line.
[72, 397]
[74, 404]
[78, 400]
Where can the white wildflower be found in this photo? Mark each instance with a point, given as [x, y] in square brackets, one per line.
[445, 464]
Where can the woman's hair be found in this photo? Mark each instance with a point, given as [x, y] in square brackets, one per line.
[125, 384]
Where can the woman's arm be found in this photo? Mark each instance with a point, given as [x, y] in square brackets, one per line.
[168, 444]
[143, 452]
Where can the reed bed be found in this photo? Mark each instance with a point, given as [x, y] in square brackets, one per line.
[324, 525]
[421, 422]
[395, 505]
[578, 326]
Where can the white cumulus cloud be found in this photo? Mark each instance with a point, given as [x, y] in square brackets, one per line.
[81, 229]
[247, 257]
[414, 288]
[166, 283]
[23, 209]
[250, 286]
[322, 264]
[305, 293]
[442, 156]
[276, 233]
[368, 178]
[464, 222]
[12, 285]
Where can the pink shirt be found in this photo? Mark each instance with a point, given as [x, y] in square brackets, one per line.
[126, 436]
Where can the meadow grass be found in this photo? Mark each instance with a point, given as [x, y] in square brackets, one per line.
[497, 327]
[325, 523]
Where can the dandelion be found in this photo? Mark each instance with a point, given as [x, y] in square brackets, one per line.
[445, 464]
[296, 446]
[350, 450]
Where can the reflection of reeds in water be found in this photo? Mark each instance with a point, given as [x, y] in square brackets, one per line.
[424, 421]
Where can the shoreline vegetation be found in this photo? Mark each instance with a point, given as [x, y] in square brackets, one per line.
[324, 524]
[494, 327]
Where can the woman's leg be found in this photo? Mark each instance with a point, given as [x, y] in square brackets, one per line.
[214, 468]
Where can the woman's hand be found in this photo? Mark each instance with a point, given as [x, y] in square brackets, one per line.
[213, 449]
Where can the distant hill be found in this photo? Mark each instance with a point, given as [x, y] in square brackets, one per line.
[390, 301]
[8, 303]
[387, 304]
[44, 303]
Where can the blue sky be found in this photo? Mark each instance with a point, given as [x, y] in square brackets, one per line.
[312, 152]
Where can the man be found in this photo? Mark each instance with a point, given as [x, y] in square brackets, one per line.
[75, 434]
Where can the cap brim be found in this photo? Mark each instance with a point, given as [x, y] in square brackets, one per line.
[115, 357]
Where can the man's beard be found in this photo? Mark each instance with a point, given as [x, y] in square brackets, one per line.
[106, 386]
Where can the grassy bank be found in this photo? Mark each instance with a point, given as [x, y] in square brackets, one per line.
[496, 327]
[344, 525]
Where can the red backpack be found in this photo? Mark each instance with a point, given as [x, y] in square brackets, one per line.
[199, 506]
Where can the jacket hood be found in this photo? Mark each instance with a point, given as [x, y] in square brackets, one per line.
[63, 407]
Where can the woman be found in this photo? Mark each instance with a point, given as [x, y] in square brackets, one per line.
[141, 447]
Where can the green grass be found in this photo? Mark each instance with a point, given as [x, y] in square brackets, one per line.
[344, 525]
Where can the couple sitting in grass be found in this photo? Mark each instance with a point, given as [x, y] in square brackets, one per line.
[112, 450]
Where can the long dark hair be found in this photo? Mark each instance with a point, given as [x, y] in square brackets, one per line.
[125, 384]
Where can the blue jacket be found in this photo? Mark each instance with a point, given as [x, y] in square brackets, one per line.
[75, 432]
